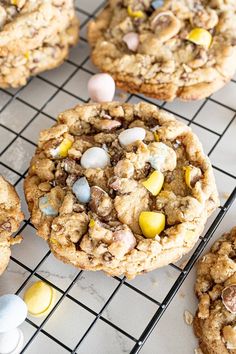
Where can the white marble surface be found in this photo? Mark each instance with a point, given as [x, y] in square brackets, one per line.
[128, 309]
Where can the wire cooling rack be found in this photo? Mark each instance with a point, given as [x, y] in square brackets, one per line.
[87, 317]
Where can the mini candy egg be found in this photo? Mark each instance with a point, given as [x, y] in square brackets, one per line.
[13, 312]
[151, 223]
[157, 3]
[62, 149]
[200, 36]
[129, 136]
[95, 157]
[46, 207]
[11, 342]
[154, 182]
[39, 298]
[82, 190]
[132, 41]
[101, 88]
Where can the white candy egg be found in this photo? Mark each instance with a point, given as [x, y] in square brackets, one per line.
[129, 136]
[95, 157]
[101, 88]
[82, 190]
[13, 312]
[132, 41]
[11, 342]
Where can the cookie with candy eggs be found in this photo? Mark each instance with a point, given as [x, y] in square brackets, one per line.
[35, 36]
[166, 48]
[10, 219]
[123, 188]
[214, 322]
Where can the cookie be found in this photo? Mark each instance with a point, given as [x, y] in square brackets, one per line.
[119, 187]
[166, 49]
[10, 219]
[214, 323]
[35, 36]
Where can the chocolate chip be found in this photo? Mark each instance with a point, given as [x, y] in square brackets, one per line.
[229, 298]
[107, 257]
[6, 226]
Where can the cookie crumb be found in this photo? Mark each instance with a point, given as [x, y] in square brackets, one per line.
[154, 282]
[188, 317]
[198, 351]
[123, 96]
[225, 195]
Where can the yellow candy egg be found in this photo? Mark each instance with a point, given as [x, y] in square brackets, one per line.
[188, 170]
[62, 149]
[200, 36]
[156, 136]
[39, 298]
[91, 223]
[151, 223]
[137, 14]
[154, 183]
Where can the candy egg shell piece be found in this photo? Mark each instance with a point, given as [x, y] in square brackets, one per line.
[95, 157]
[46, 207]
[132, 41]
[40, 298]
[154, 183]
[137, 14]
[82, 191]
[200, 36]
[151, 223]
[187, 176]
[101, 88]
[13, 312]
[130, 136]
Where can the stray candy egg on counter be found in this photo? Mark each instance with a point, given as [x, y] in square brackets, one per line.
[46, 207]
[154, 183]
[130, 136]
[62, 149]
[13, 312]
[95, 157]
[137, 14]
[39, 298]
[200, 36]
[151, 223]
[82, 190]
[132, 41]
[101, 88]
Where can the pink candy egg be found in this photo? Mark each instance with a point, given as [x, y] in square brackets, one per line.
[132, 41]
[101, 88]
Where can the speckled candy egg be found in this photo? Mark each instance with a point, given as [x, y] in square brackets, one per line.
[130, 136]
[95, 157]
[13, 312]
[81, 190]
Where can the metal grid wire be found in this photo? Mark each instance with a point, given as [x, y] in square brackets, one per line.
[14, 95]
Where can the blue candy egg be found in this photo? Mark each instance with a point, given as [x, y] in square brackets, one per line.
[82, 190]
[46, 207]
[157, 3]
[13, 312]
